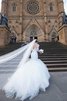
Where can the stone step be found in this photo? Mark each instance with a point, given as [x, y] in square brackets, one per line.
[14, 63]
[57, 69]
[53, 56]
[53, 59]
[57, 65]
[7, 71]
[55, 62]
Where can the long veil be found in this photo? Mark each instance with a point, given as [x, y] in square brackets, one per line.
[15, 53]
[27, 53]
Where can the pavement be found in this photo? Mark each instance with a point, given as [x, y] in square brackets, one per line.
[57, 91]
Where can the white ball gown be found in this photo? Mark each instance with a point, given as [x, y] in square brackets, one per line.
[28, 79]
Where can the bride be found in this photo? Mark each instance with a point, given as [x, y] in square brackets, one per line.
[31, 75]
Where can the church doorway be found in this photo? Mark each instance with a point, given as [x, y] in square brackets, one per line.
[33, 32]
[33, 37]
[54, 36]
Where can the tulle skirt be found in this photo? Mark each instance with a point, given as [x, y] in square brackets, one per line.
[28, 80]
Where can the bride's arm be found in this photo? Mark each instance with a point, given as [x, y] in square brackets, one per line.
[39, 50]
[36, 46]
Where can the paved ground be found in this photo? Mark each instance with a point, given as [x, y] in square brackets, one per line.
[57, 91]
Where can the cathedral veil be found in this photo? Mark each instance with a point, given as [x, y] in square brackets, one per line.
[15, 53]
[27, 53]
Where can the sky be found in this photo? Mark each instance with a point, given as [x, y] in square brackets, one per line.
[65, 5]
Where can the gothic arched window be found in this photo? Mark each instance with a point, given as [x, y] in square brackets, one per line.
[51, 6]
[14, 7]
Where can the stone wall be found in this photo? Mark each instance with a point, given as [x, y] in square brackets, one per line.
[22, 15]
[4, 35]
[43, 16]
[63, 34]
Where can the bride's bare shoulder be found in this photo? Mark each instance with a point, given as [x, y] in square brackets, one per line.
[36, 45]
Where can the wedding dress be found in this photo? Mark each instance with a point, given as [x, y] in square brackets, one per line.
[31, 76]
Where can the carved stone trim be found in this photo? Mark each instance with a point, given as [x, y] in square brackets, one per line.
[32, 7]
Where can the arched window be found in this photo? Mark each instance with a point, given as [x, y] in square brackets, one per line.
[14, 7]
[51, 6]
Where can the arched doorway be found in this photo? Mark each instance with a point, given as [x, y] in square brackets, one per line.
[33, 32]
[53, 36]
[33, 37]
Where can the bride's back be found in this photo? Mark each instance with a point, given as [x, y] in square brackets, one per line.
[34, 53]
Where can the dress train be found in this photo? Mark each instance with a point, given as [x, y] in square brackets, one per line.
[28, 79]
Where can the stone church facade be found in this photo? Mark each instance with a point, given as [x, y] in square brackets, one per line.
[40, 19]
